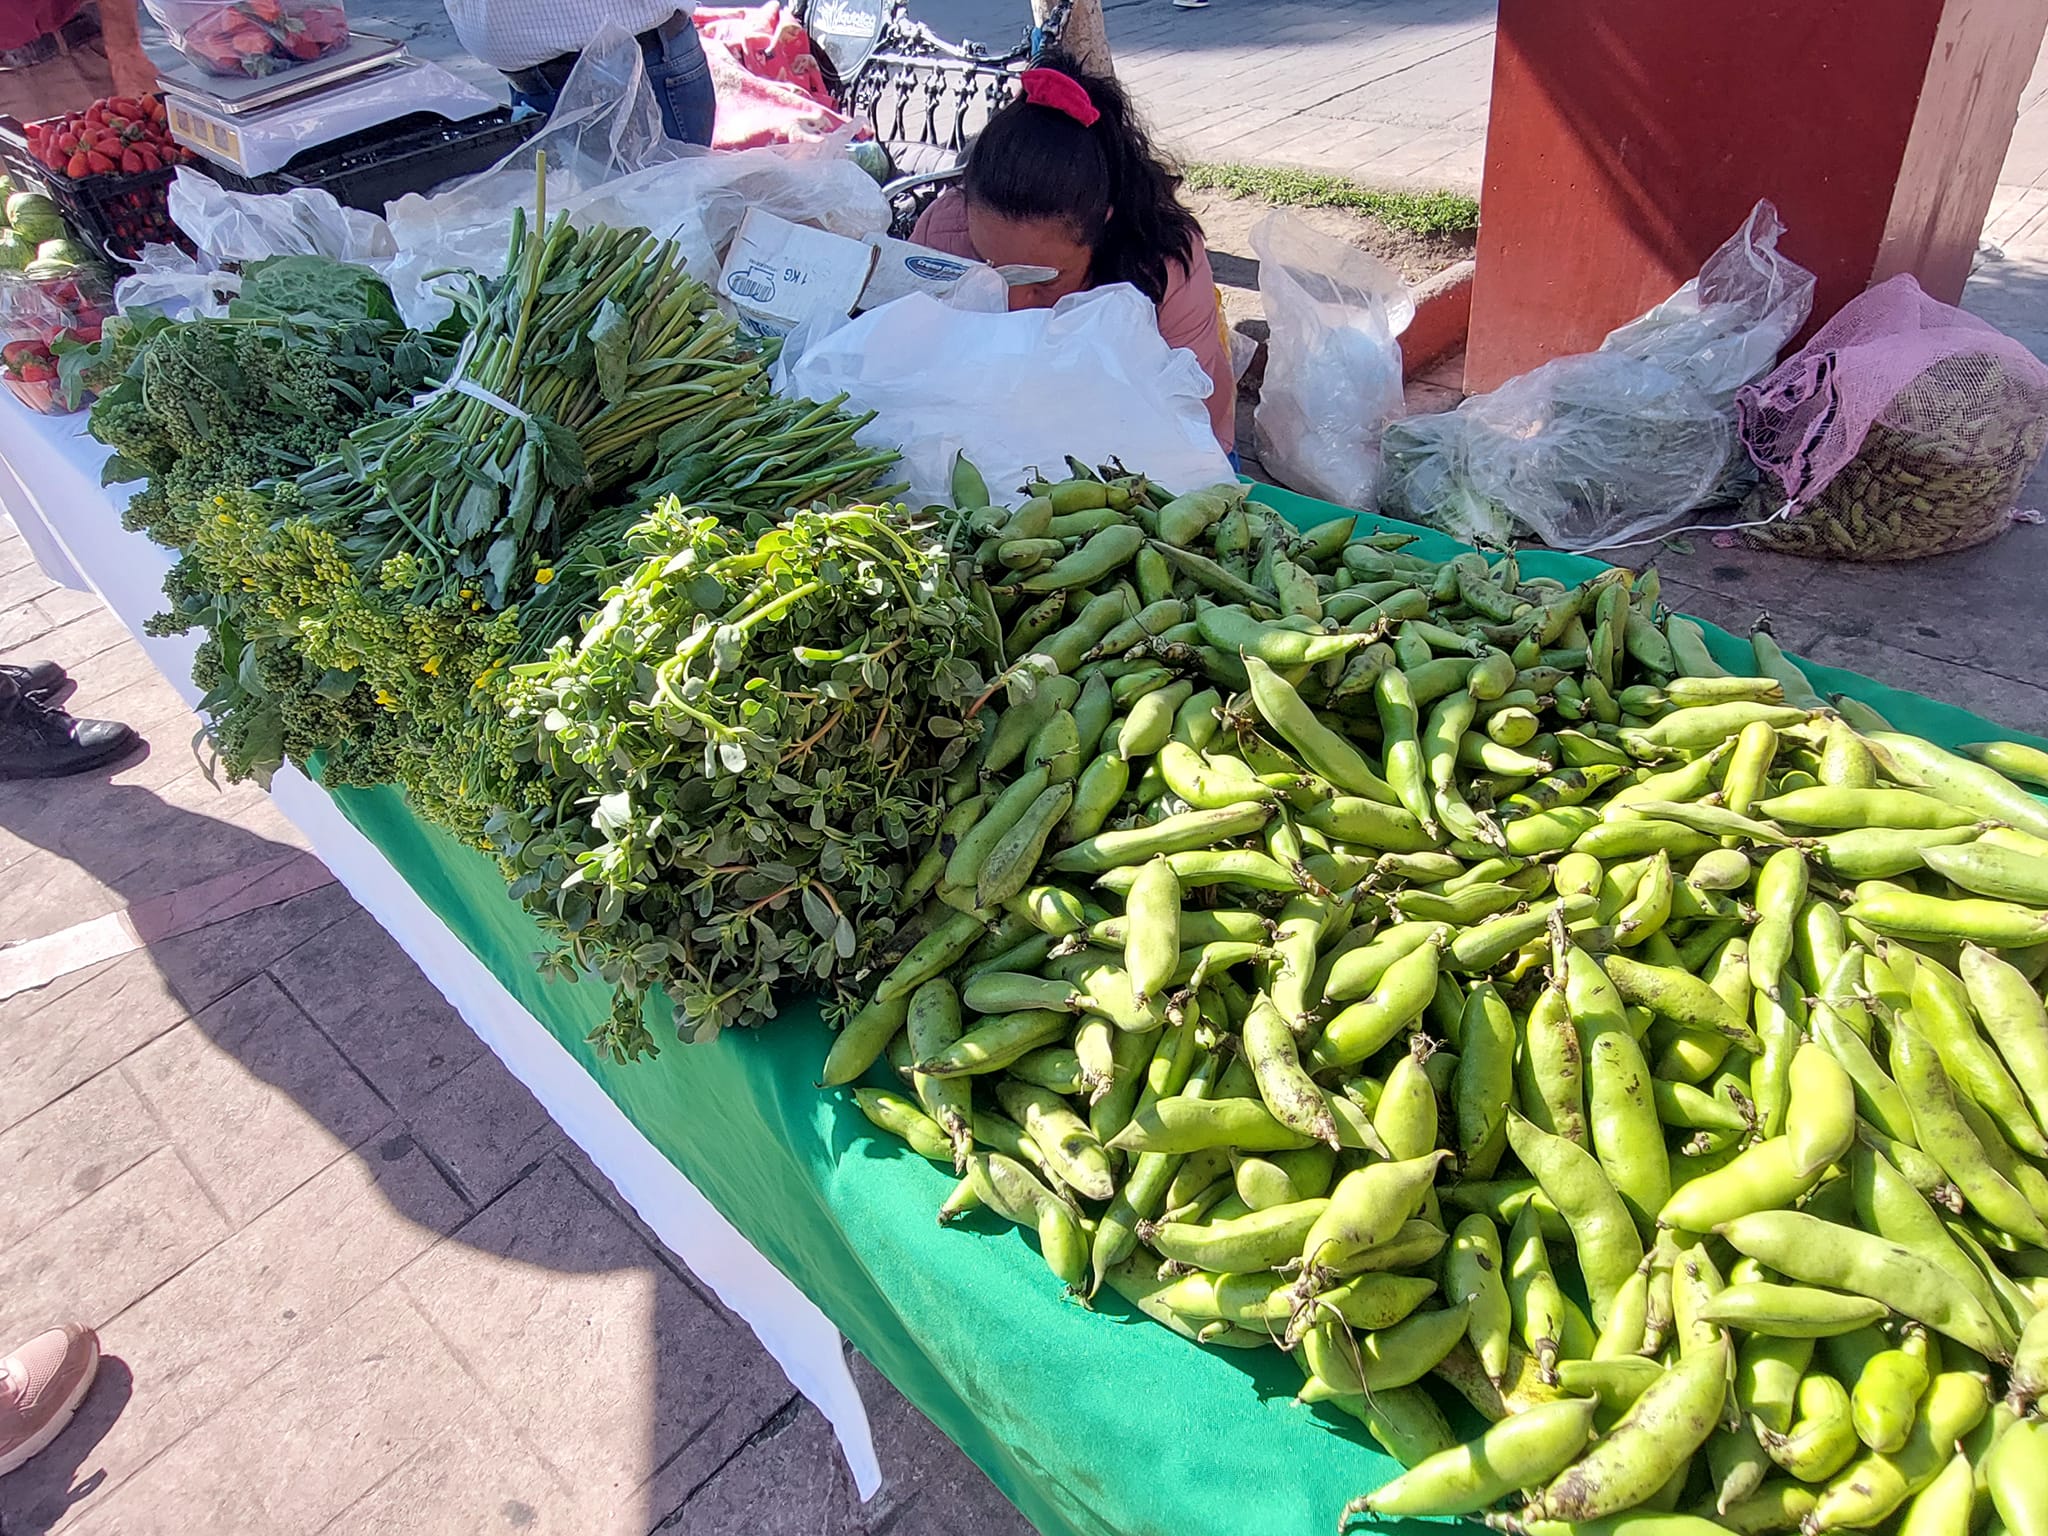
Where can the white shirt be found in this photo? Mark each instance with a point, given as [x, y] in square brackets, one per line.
[518, 34]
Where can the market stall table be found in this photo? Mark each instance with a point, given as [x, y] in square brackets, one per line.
[1095, 1422]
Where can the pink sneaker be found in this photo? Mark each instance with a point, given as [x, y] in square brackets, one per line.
[41, 1386]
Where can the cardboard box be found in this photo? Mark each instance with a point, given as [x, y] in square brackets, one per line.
[780, 274]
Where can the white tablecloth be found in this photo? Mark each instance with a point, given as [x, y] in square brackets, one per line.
[50, 486]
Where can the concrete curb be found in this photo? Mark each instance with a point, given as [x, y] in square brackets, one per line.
[1443, 313]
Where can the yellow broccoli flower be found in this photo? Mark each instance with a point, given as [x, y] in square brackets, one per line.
[544, 575]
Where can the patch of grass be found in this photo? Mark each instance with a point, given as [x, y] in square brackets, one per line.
[1420, 213]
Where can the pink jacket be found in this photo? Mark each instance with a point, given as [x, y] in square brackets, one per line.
[1191, 314]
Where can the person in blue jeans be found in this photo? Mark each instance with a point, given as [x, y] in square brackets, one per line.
[534, 44]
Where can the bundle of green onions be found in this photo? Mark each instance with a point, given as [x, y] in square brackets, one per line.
[592, 346]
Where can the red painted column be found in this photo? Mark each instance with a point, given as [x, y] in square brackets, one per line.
[1629, 138]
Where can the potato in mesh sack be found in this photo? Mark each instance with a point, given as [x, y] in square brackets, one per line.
[1905, 428]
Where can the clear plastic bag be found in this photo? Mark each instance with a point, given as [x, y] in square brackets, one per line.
[253, 38]
[246, 226]
[1904, 428]
[1015, 391]
[1333, 370]
[1602, 448]
[609, 162]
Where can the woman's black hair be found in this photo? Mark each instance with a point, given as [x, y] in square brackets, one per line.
[1106, 181]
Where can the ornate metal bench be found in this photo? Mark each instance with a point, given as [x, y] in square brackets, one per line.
[926, 98]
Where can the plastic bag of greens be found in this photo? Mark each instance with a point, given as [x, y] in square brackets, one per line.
[1605, 447]
[1333, 370]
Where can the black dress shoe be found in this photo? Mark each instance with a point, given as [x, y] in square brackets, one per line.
[39, 681]
[38, 742]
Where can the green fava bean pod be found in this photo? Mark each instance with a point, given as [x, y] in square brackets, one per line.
[1326, 753]
[1152, 939]
[1942, 1012]
[1519, 1452]
[931, 1024]
[1401, 746]
[998, 1042]
[1821, 1441]
[1210, 783]
[1484, 1088]
[1404, 1115]
[1240, 1244]
[1603, 1232]
[1790, 1311]
[1658, 1435]
[2017, 1473]
[1628, 1138]
[1615, 1384]
[2028, 1380]
[1472, 1278]
[1915, 760]
[1888, 1391]
[1061, 1136]
[1185, 1124]
[1367, 1208]
[1680, 996]
[1987, 869]
[1874, 1486]
[1945, 1507]
[1896, 912]
[1092, 712]
[1767, 1376]
[1821, 1122]
[861, 1042]
[1343, 1366]
[1823, 1253]
[2014, 1017]
[1405, 1421]
[1149, 725]
[1945, 1134]
[1096, 795]
[1014, 857]
[1189, 831]
[1550, 1068]
[1535, 1301]
[902, 1118]
[1287, 1089]
[1627, 1317]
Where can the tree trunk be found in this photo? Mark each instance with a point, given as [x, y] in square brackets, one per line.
[1085, 38]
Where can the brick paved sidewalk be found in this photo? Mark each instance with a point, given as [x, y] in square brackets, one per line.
[349, 1276]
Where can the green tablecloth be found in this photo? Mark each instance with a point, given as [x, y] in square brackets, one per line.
[1095, 1423]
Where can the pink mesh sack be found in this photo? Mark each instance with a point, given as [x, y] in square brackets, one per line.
[1904, 428]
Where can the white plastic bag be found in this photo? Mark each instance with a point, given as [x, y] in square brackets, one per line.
[246, 226]
[1603, 448]
[1333, 371]
[183, 287]
[1015, 391]
[608, 162]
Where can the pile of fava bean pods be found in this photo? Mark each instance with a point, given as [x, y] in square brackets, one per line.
[1459, 981]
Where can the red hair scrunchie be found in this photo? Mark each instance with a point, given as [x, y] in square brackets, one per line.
[1063, 93]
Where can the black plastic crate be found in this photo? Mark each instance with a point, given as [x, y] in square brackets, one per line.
[415, 153]
[115, 215]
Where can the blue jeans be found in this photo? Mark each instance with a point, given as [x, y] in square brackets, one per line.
[677, 71]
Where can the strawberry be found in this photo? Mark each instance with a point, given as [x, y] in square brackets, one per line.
[99, 164]
[131, 162]
[78, 167]
[38, 373]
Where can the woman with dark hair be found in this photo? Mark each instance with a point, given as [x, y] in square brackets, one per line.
[1066, 177]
